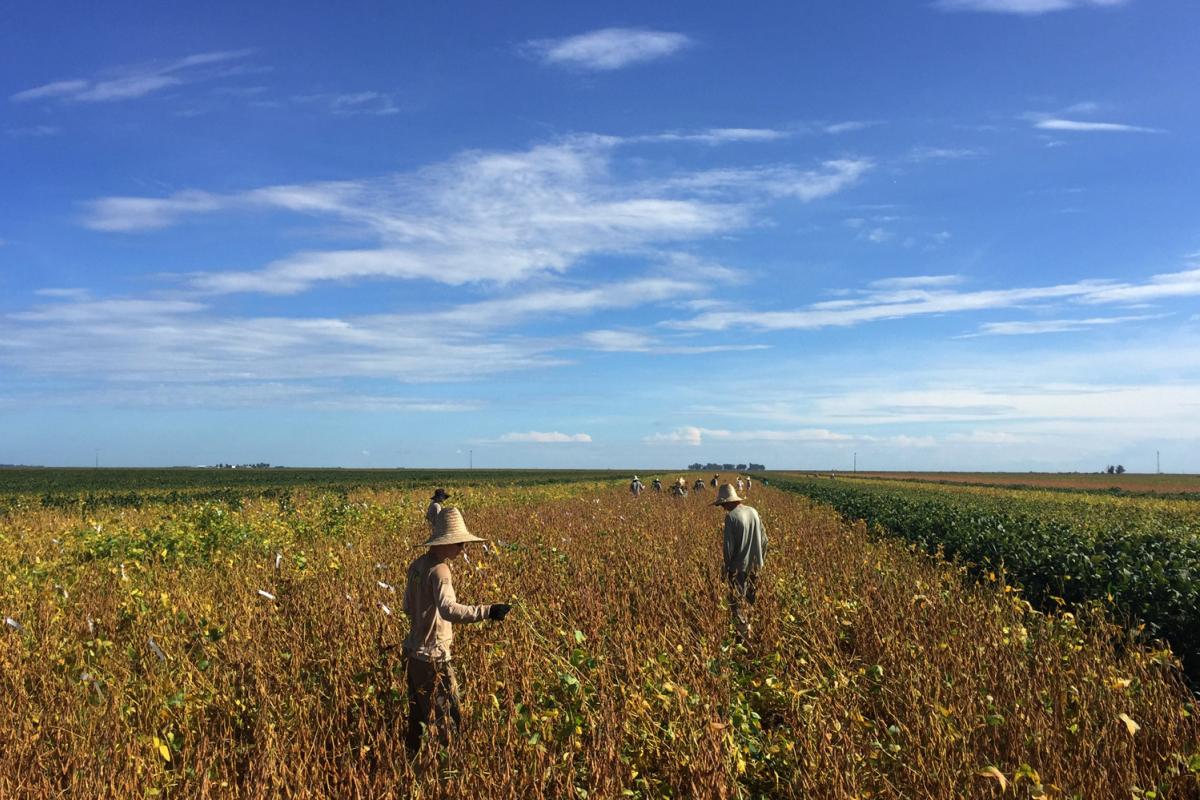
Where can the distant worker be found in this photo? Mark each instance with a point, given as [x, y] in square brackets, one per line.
[679, 488]
[740, 484]
[435, 506]
[657, 485]
[432, 608]
[749, 484]
[715, 482]
[745, 548]
[635, 486]
[698, 486]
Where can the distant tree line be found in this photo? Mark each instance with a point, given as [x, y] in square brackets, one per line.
[710, 466]
[1117, 470]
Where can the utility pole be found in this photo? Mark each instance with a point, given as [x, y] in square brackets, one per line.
[471, 459]
[97, 458]
[1157, 463]
[856, 462]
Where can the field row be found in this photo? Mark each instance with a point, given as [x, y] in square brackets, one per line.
[1138, 556]
[172, 652]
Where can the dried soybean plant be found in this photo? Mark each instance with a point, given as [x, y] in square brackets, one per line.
[216, 651]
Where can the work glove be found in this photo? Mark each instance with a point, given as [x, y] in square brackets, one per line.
[499, 611]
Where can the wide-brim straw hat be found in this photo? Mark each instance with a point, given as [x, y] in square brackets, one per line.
[440, 494]
[450, 528]
[727, 494]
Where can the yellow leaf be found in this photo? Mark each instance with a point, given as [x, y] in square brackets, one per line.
[162, 749]
[1130, 725]
[992, 772]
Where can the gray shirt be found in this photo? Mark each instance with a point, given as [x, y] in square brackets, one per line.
[745, 540]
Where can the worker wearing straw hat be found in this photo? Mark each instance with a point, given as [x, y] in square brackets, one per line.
[433, 608]
[635, 486]
[745, 549]
[435, 506]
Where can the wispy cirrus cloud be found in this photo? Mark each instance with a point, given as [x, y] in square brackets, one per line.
[716, 136]
[900, 302]
[608, 48]
[131, 82]
[487, 216]
[1068, 120]
[617, 341]
[547, 437]
[1080, 126]
[777, 181]
[1031, 327]
[365, 103]
[1023, 7]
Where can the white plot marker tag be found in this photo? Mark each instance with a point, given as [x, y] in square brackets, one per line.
[386, 610]
[386, 586]
[158, 651]
[278, 561]
[12, 623]
[266, 594]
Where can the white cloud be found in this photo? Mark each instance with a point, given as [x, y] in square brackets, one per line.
[118, 214]
[127, 83]
[778, 181]
[883, 304]
[608, 48]
[369, 103]
[1054, 124]
[614, 341]
[916, 282]
[1160, 287]
[715, 136]
[498, 216]
[694, 436]
[618, 341]
[1055, 325]
[546, 437]
[691, 436]
[1025, 7]
[849, 126]
[918, 154]
[106, 310]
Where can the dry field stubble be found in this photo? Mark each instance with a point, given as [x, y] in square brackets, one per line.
[873, 672]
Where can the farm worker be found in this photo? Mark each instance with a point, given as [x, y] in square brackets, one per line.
[698, 486]
[679, 489]
[657, 485]
[745, 549]
[435, 506]
[749, 484]
[635, 486]
[431, 606]
[716, 481]
[740, 485]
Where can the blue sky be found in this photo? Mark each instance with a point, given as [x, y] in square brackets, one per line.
[941, 235]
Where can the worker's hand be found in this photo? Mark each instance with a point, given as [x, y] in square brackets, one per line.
[498, 611]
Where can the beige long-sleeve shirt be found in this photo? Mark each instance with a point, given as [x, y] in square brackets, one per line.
[431, 513]
[432, 607]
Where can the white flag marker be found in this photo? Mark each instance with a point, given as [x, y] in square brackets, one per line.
[267, 595]
[12, 623]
